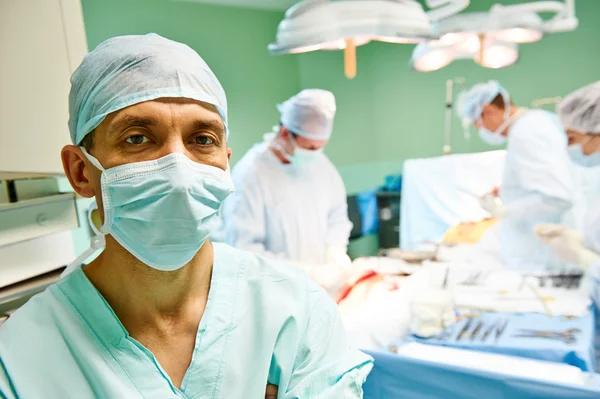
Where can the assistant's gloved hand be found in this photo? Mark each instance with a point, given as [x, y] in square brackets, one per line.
[336, 255]
[326, 275]
[567, 243]
[493, 205]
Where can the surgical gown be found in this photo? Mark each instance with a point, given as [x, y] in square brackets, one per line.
[537, 188]
[591, 234]
[263, 323]
[284, 210]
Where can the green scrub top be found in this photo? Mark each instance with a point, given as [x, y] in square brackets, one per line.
[265, 322]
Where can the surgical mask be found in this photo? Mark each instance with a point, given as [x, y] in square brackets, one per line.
[302, 156]
[162, 211]
[577, 156]
[97, 243]
[491, 138]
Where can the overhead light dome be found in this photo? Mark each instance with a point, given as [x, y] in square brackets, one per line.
[522, 27]
[346, 24]
[489, 53]
[318, 25]
[497, 55]
[431, 56]
[491, 38]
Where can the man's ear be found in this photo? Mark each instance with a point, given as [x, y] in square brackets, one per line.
[485, 111]
[284, 133]
[78, 170]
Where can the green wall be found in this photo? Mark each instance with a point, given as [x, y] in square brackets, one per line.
[386, 115]
[233, 41]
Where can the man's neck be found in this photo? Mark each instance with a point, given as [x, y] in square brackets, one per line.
[278, 154]
[145, 298]
[514, 110]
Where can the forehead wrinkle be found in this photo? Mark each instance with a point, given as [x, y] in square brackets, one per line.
[213, 121]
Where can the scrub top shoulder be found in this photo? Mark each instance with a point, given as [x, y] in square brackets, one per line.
[539, 127]
[265, 322]
[537, 160]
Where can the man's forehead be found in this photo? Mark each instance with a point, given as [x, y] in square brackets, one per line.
[311, 141]
[163, 103]
[153, 113]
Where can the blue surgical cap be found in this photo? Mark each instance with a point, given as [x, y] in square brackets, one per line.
[309, 113]
[128, 70]
[470, 103]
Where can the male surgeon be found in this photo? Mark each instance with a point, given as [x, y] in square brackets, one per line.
[290, 201]
[537, 184]
[162, 312]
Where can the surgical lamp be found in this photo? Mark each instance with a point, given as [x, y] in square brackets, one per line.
[346, 24]
[491, 38]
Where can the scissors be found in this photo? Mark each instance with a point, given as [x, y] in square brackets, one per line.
[567, 336]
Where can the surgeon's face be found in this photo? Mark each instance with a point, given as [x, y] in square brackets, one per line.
[149, 131]
[309, 144]
[492, 118]
[589, 142]
[301, 141]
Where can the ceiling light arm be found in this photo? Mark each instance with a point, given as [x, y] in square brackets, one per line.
[564, 20]
[450, 84]
[301, 7]
[441, 9]
[540, 102]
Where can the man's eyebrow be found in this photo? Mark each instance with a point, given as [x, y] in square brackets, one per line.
[126, 121]
[213, 125]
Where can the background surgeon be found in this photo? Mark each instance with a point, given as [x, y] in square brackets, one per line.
[579, 113]
[536, 185]
[290, 201]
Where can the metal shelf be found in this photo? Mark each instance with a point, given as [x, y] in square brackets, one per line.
[33, 218]
[15, 295]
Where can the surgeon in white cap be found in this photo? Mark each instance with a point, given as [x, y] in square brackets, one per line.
[290, 201]
[537, 185]
[579, 113]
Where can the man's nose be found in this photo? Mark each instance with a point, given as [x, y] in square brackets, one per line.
[173, 145]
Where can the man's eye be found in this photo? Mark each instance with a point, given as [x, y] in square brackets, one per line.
[137, 139]
[203, 140]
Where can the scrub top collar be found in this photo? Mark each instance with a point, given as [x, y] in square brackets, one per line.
[134, 358]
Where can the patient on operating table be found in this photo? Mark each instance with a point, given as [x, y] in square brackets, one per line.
[468, 232]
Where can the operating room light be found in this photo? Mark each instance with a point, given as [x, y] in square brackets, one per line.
[518, 35]
[497, 55]
[396, 40]
[341, 44]
[491, 38]
[469, 45]
[314, 25]
[434, 61]
[433, 58]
